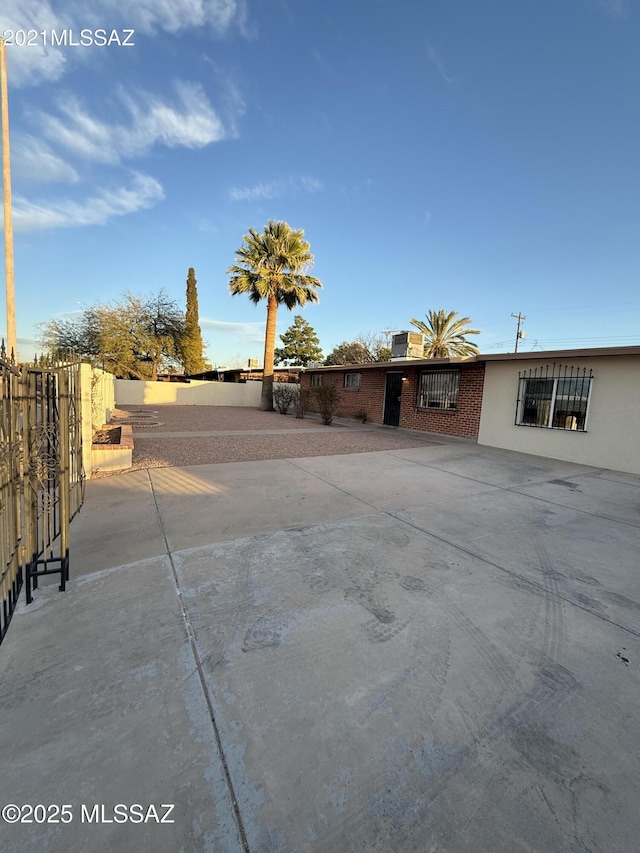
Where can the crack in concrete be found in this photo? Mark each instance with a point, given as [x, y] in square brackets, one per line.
[203, 684]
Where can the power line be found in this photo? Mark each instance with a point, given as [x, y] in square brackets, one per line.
[576, 340]
[630, 340]
[592, 308]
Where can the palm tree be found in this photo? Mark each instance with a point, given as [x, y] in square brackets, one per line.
[446, 335]
[273, 266]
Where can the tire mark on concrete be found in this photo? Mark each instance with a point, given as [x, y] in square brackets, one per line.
[502, 672]
[515, 576]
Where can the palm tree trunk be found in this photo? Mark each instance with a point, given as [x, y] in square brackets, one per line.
[266, 399]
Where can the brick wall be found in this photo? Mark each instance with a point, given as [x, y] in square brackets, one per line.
[463, 422]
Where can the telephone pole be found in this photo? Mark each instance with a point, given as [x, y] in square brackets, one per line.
[12, 346]
[520, 318]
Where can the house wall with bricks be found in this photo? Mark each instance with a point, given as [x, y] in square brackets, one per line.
[464, 421]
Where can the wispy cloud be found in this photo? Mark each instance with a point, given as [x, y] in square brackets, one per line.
[29, 342]
[277, 188]
[34, 65]
[143, 192]
[439, 65]
[272, 189]
[173, 16]
[32, 159]
[614, 8]
[234, 106]
[247, 332]
[190, 121]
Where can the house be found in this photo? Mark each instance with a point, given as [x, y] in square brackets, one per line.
[244, 374]
[578, 405]
[441, 395]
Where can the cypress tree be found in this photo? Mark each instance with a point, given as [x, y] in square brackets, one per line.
[192, 346]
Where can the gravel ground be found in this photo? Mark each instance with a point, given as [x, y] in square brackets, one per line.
[214, 418]
[299, 438]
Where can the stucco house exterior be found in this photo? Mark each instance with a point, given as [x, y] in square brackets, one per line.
[578, 405]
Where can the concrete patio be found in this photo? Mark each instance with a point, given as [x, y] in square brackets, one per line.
[423, 649]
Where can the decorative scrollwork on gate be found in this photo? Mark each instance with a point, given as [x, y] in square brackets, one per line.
[41, 475]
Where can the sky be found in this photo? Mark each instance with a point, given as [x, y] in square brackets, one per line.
[481, 156]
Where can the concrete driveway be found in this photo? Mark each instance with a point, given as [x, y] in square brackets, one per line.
[422, 649]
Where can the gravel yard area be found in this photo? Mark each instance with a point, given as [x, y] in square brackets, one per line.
[240, 434]
[217, 418]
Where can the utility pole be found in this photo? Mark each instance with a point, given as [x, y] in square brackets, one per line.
[519, 317]
[12, 346]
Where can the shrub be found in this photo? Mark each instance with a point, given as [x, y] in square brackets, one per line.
[284, 396]
[302, 401]
[327, 397]
[362, 415]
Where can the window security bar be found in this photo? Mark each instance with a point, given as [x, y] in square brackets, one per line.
[438, 389]
[554, 396]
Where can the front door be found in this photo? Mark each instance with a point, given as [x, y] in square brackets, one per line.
[393, 391]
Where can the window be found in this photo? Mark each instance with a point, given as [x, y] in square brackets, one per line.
[352, 380]
[438, 389]
[316, 380]
[554, 398]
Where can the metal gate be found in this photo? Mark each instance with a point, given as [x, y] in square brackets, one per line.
[42, 478]
[11, 565]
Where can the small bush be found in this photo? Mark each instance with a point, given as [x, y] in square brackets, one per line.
[284, 396]
[302, 401]
[362, 415]
[327, 397]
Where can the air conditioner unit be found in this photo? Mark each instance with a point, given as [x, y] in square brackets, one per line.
[407, 345]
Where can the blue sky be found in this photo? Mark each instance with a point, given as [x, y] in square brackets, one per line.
[481, 156]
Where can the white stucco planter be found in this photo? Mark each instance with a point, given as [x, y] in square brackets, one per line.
[113, 457]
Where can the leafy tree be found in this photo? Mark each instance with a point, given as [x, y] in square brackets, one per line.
[191, 345]
[273, 266]
[350, 352]
[134, 337]
[367, 347]
[376, 343]
[301, 344]
[446, 335]
[160, 329]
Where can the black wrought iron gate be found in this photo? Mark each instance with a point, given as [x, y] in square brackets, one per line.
[11, 564]
[41, 476]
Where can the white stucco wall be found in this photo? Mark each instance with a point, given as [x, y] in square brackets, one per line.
[98, 400]
[103, 395]
[86, 411]
[612, 439]
[130, 392]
